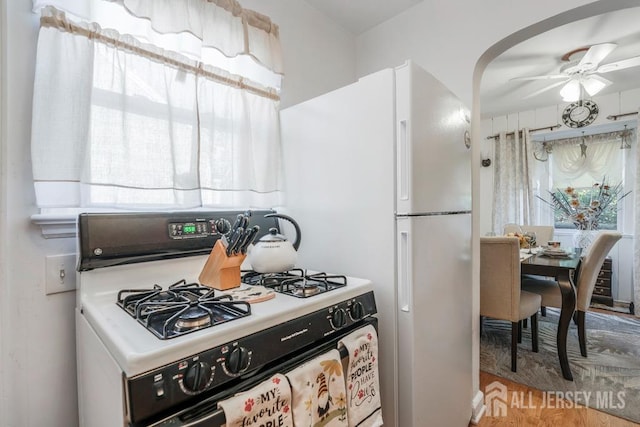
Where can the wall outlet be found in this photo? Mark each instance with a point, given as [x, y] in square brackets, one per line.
[60, 274]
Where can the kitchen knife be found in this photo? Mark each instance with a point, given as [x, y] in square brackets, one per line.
[250, 237]
[234, 240]
[226, 238]
[237, 223]
[242, 240]
[244, 223]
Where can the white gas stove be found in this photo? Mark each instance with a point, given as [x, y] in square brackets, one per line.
[141, 378]
[137, 350]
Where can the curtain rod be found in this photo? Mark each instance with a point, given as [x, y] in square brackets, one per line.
[617, 116]
[60, 23]
[552, 127]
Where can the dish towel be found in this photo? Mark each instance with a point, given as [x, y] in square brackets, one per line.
[267, 404]
[363, 385]
[318, 392]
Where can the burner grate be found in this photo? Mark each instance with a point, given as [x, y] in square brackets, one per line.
[180, 309]
[296, 282]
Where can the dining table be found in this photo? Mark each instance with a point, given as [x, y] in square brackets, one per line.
[563, 269]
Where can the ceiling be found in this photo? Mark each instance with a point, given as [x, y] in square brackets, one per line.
[358, 16]
[540, 55]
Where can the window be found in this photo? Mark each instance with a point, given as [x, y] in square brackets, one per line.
[581, 164]
[144, 120]
[585, 199]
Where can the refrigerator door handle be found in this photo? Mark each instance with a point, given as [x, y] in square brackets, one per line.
[404, 270]
[403, 161]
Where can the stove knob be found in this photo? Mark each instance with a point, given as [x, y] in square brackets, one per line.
[339, 318]
[223, 226]
[356, 311]
[197, 377]
[238, 360]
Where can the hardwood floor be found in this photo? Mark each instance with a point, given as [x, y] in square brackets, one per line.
[531, 410]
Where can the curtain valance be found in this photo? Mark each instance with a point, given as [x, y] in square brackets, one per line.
[584, 160]
[192, 27]
[53, 18]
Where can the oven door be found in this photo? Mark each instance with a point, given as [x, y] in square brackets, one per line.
[206, 413]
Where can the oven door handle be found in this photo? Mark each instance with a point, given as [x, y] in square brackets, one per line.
[212, 419]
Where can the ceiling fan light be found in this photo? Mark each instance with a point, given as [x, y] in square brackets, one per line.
[593, 86]
[571, 91]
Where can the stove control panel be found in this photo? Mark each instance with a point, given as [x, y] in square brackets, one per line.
[199, 228]
[108, 239]
[191, 229]
[209, 371]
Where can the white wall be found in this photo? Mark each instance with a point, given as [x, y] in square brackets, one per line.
[37, 332]
[448, 37]
[319, 55]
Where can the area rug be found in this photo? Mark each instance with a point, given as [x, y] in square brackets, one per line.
[607, 380]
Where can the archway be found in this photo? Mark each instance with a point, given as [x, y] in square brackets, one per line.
[489, 55]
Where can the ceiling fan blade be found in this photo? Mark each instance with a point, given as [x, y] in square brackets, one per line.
[546, 88]
[595, 54]
[619, 65]
[548, 77]
[594, 84]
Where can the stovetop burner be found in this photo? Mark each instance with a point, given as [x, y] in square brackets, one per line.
[296, 282]
[181, 308]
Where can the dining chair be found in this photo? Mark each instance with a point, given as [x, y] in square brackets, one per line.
[512, 228]
[500, 294]
[544, 233]
[585, 280]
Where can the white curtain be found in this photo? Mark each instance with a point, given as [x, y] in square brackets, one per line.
[207, 30]
[121, 124]
[513, 185]
[580, 162]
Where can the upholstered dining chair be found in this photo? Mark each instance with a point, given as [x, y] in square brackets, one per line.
[585, 280]
[544, 233]
[512, 228]
[500, 294]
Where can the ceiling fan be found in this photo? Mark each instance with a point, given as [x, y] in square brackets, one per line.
[583, 74]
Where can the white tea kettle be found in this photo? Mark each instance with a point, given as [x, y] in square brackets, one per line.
[273, 253]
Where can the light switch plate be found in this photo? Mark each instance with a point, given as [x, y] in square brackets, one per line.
[60, 274]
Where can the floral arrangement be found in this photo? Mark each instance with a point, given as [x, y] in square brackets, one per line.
[521, 238]
[524, 239]
[584, 208]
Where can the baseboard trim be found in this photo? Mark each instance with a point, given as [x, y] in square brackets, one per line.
[477, 408]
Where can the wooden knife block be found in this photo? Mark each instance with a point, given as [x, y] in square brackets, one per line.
[221, 272]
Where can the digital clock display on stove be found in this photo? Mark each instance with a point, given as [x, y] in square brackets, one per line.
[189, 229]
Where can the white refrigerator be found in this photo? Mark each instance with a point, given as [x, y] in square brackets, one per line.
[378, 176]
